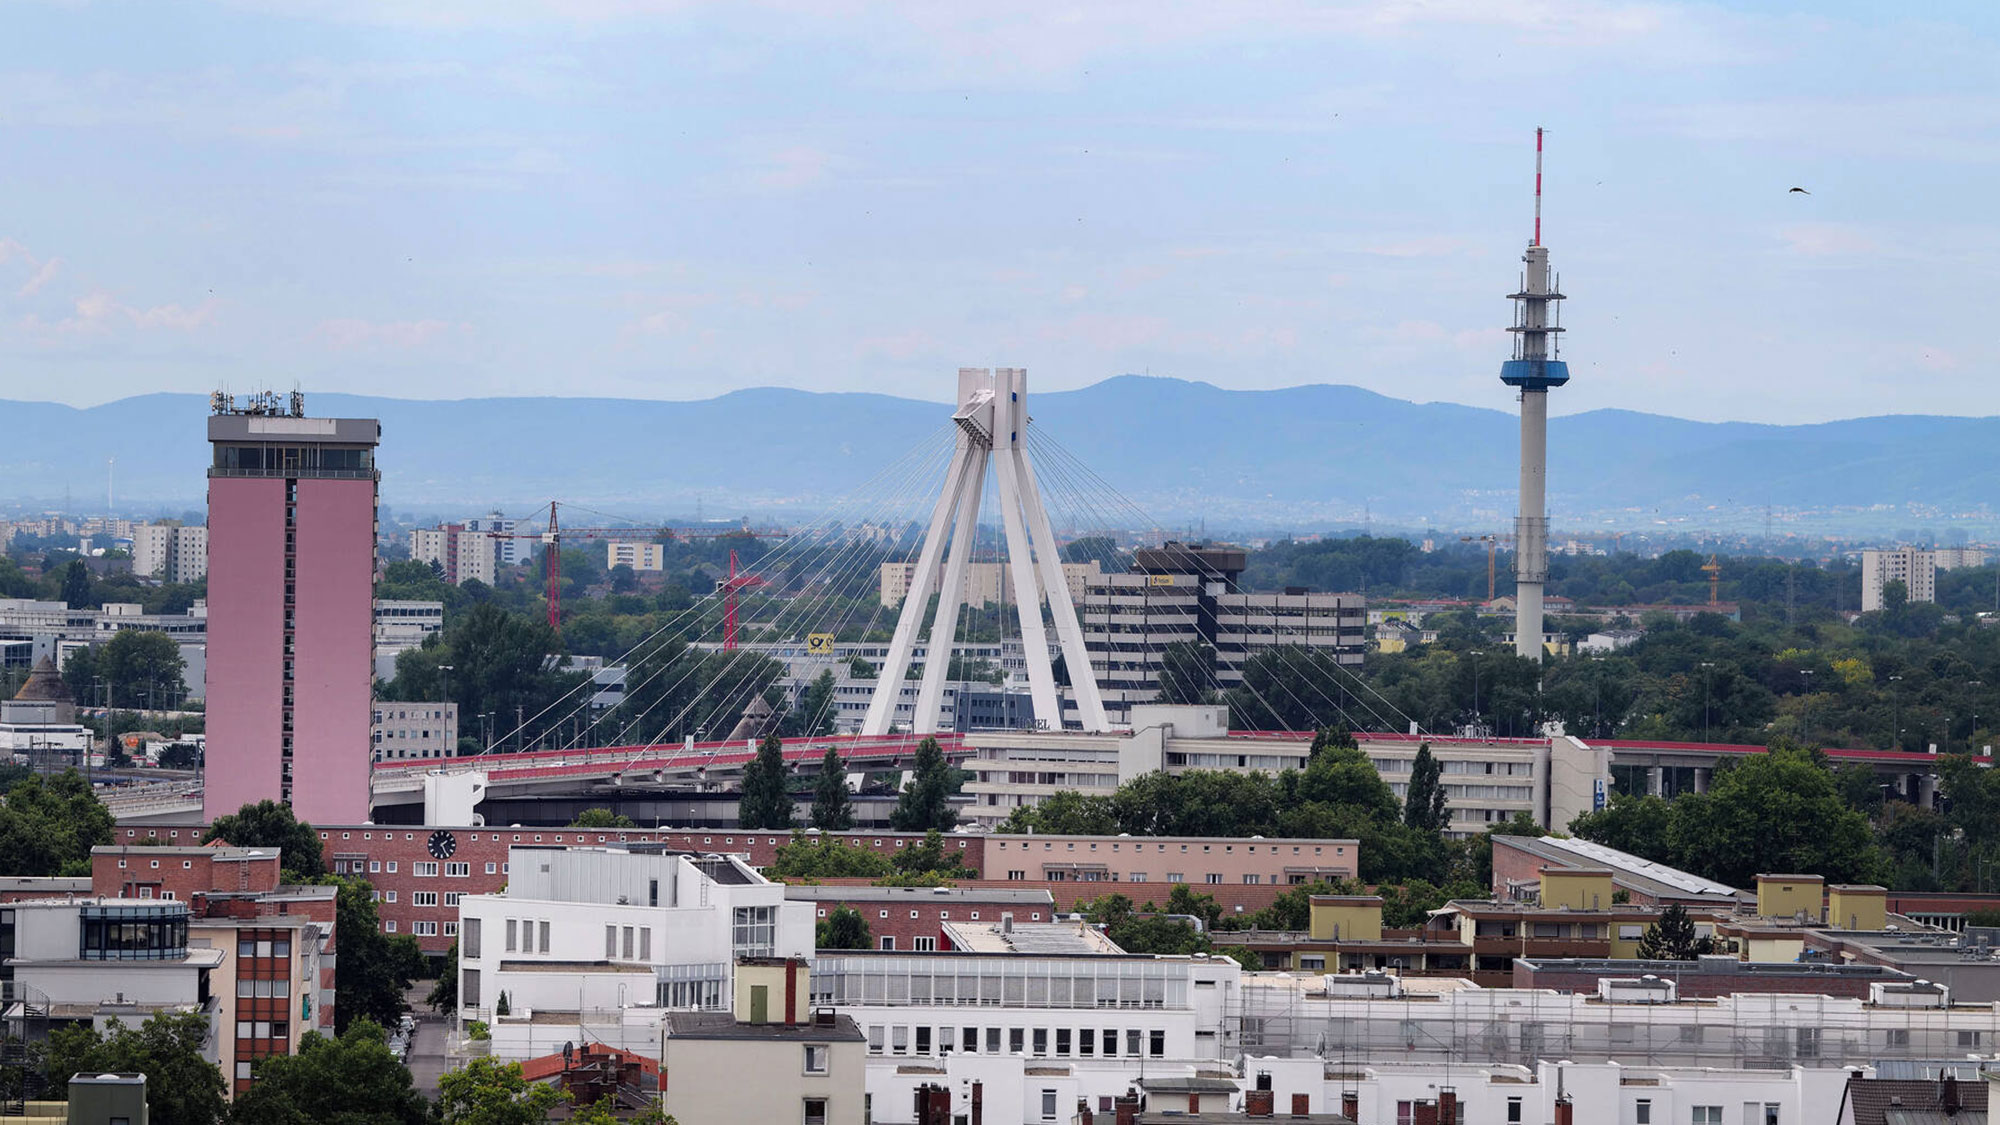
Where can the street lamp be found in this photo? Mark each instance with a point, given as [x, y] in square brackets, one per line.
[1808, 673]
[1972, 736]
[1476, 654]
[1896, 735]
[1707, 667]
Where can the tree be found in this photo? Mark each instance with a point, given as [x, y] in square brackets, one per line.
[1187, 672]
[268, 824]
[143, 667]
[1065, 812]
[810, 858]
[373, 969]
[182, 1086]
[1636, 824]
[1777, 811]
[1673, 938]
[443, 997]
[487, 1091]
[925, 804]
[351, 1080]
[832, 808]
[602, 818]
[931, 858]
[76, 586]
[1183, 900]
[845, 928]
[815, 713]
[49, 824]
[766, 801]
[1424, 805]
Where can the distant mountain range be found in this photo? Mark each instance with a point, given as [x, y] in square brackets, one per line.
[1306, 457]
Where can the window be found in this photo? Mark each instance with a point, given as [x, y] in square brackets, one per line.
[815, 1112]
[899, 1040]
[816, 1054]
[1643, 1112]
[1110, 1042]
[457, 870]
[1213, 877]
[1017, 875]
[1513, 1111]
[1706, 1115]
[610, 942]
[452, 898]
[1048, 1105]
[392, 867]
[1405, 1113]
[1252, 880]
[1132, 1046]
[489, 869]
[1086, 1042]
[923, 1040]
[1015, 1036]
[875, 1039]
[510, 935]
[425, 869]
[390, 896]
[889, 942]
[1041, 1041]
[1062, 1042]
[1156, 1044]
[422, 898]
[992, 1040]
[544, 926]
[756, 930]
[451, 928]
[243, 1069]
[1896, 1037]
[389, 927]
[424, 929]
[1176, 877]
[1965, 1038]
[924, 944]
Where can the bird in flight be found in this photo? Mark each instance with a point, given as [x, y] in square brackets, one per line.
[1799, 191]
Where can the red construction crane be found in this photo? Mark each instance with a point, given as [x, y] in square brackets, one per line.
[556, 533]
[730, 587]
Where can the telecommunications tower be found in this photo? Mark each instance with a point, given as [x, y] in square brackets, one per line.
[1533, 370]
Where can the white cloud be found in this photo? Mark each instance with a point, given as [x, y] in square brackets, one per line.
[354, 334]
[42, 277]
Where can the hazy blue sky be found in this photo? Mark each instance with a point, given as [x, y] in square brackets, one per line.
[446, 198]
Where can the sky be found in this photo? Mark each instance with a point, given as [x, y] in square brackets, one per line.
[671, 199]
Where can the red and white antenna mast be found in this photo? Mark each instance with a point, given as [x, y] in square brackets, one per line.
[1538, 188]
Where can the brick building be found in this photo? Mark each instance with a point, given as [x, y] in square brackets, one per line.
[420, 873]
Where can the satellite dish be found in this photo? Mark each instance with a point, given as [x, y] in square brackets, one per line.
[569, 1052]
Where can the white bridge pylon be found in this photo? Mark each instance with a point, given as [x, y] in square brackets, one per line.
[992, 420]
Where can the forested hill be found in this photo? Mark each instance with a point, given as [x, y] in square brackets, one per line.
[1303, 457]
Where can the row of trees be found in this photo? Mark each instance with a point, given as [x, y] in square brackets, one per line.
[924, 805]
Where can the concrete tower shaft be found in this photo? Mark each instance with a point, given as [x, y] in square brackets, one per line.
[1533, 369]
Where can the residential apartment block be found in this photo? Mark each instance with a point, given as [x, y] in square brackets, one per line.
[170, 552]
[1915, 567]
[637, 554]
[464, 554]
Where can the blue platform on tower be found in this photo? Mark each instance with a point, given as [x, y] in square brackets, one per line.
[1534, 374]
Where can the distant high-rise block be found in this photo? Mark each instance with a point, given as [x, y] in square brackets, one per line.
[1914, 567]
[291, 572]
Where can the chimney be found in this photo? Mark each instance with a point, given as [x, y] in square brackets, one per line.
[1948, 1098]
[1350, 1104]
[1302, 1105]
[1006, 921]
[1447, 1106]
[1083, 1114]
[1260, 1103]
[1125, 1109]
[1427, 1113]
[933, 1105]
[979, 1105]
[791, 992]
[1564, 1111]
[1194, 1102]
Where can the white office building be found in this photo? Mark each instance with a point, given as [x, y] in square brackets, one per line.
[597, 944]
[401, 732]
[400, 626]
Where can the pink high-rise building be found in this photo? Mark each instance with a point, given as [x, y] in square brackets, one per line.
[291, 587]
